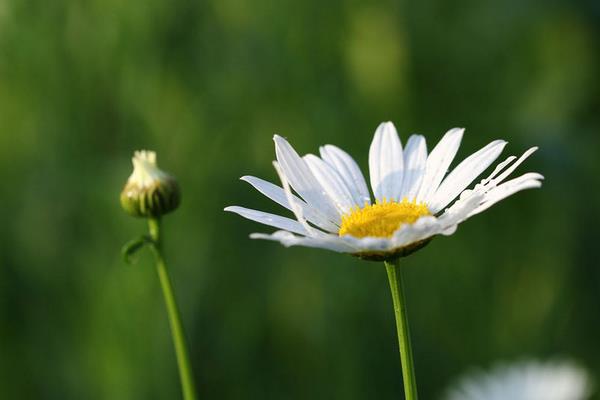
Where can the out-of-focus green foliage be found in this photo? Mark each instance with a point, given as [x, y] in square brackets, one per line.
[206, 84]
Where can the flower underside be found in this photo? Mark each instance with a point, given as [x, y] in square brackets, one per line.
[381, 219]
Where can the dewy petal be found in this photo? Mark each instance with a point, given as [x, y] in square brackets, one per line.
[348, 169]
[438, 162]
[302, 180]
[530, 180]
[332, 183]
[268, 219]
[498, 168]
[459, 211]
[464, 174]
[288, 239]
[277, 194]
[510, 169]
[415, 160]
[386, 164]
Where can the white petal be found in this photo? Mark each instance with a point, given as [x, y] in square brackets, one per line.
[518, 180]
[277, 194]
[421, 229]
[368, 243]
[348, 170]
[332, 183]
[407, 234]
[302, 180]
[527, 181]
[415, 160]
[498, 168]
[288, 239]
[438, 162]
[509, 170]
[386, 163]
[449, 231]
[461, 210]
[464, 174]
[268, 219]
[296, 208]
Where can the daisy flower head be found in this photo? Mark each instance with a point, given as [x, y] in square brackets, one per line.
[526, 380]
[413, 197]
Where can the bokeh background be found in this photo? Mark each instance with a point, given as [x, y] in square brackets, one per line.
[207, 84]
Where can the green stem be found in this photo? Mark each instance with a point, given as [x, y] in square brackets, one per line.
[183, 360]
[406, 359]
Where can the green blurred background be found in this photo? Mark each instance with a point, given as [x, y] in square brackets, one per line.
[206, 84]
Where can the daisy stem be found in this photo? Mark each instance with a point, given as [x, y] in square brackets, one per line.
[406, 359]
[183, 361]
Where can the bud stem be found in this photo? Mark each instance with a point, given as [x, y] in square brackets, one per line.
[183, 361]
[406, 358]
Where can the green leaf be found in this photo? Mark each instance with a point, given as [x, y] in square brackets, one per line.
[133, 246]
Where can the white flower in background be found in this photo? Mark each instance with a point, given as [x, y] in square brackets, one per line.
[527, 380]
[413, 195]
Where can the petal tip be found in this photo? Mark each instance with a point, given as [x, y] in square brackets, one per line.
[455, 132]
[385, 126]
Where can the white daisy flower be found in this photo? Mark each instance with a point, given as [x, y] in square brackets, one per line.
[528, 380]
[413, 197]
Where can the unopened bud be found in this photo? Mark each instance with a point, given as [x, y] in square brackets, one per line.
[149, 191]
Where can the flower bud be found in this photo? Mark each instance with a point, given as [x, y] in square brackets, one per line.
[149, 191]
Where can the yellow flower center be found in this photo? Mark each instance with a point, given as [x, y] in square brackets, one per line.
[381, 219]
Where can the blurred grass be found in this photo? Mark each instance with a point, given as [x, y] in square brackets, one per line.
[206, 84]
